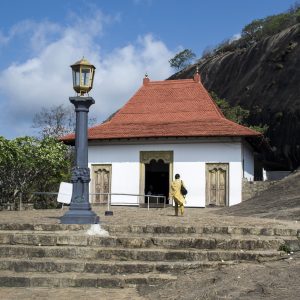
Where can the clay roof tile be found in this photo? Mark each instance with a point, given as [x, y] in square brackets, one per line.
[170, 108]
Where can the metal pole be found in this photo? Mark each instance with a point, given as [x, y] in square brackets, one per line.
[108, 212]
[148, 202]
[80, 211]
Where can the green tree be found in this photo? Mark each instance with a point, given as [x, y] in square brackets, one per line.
[28, 165]
[237, 114]
[182, 59]
[261, 28]
[253, 30]
[275, 24]
[260, 128]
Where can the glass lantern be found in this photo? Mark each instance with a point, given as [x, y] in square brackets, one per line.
[83, 76]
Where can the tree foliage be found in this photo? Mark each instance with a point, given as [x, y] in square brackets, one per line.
[257, 30]
[28, 165]
[56, 121]
[268, 26]
[182, 59]
[236, 113]
[262, 28]
[253, 30]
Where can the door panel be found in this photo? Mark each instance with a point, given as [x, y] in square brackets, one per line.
[222, 187]
[216, 184]
[213, 187]
[101, 183]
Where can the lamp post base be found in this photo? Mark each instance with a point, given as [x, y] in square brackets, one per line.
[79, 217]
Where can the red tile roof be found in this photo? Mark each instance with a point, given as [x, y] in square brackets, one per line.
[170, 108]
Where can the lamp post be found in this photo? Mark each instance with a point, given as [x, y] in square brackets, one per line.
[80, 209]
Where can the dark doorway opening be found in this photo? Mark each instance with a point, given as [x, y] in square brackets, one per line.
[157, 181]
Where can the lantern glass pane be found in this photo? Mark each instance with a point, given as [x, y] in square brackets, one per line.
[77, 78]
[85, 77]
[74, 77]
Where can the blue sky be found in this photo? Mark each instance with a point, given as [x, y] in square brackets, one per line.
[40, 39]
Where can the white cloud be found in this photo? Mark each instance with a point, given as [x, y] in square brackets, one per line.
[121, 73]
[235, 37]
[45, 79]
[3, 39]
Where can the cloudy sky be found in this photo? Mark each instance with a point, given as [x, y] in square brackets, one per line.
[124, 39]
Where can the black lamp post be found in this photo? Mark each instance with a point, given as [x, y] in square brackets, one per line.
[80, 209]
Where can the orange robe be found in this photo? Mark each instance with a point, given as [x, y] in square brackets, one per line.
[175, 193]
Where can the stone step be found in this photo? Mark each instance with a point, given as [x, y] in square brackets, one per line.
[153, 229]
[82, 280]
[42, 227]
[99, 267]
[223, 242]
[183, 230]
[128, 254]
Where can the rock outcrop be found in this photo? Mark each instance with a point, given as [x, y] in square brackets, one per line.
[280, 201]
[265, 79]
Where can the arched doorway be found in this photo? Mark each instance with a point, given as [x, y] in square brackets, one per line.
[157, 180]
[156, 175]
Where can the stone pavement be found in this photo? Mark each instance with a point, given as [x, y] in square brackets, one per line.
[124, 216]
[141, 216]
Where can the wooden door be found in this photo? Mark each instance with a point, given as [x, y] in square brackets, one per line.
[101, 183]
[216, 184]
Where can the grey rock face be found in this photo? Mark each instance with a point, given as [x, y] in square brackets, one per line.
[265, 79]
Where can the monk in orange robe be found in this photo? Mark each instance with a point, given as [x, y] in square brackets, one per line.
[175, 193]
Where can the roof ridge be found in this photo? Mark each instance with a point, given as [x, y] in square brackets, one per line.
[170, 81]
[217, 108]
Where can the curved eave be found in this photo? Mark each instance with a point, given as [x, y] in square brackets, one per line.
[255, 140]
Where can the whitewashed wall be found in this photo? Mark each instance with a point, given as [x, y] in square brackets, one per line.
[189, 162]
[248, 162]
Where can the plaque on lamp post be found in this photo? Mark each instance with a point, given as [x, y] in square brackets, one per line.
[80, 211]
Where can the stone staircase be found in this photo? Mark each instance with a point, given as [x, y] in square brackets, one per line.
[58, 255]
